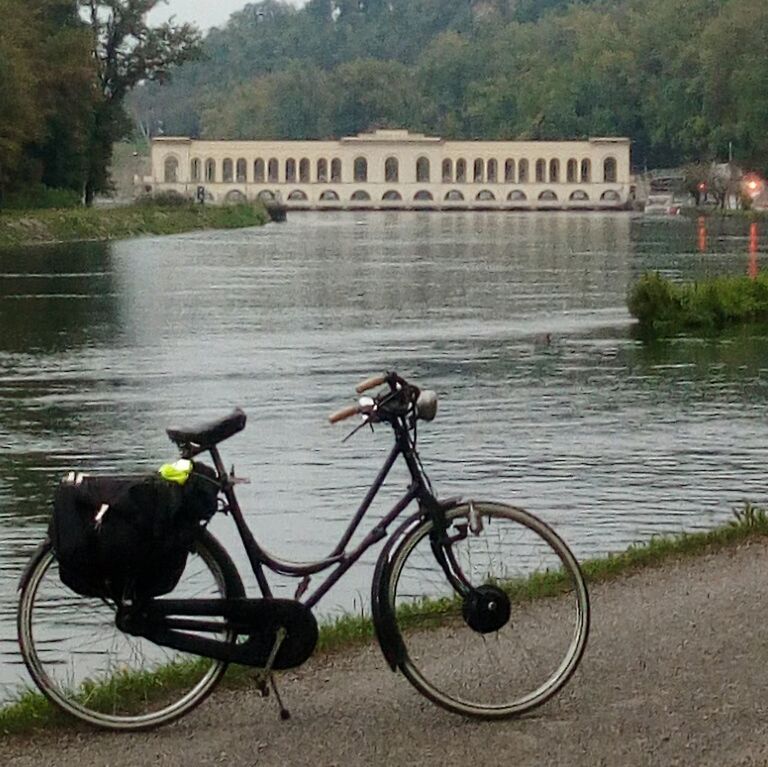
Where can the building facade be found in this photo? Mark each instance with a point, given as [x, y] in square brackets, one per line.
[397, 169]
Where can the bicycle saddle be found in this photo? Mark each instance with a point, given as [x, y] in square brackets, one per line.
[206, 435]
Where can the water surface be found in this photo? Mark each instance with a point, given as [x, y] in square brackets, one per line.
[547, 397]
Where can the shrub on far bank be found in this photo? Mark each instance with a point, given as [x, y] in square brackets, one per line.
[39, 197]
[168, 199]
[661, 305]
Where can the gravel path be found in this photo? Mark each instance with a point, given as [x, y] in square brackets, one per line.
[676, 673]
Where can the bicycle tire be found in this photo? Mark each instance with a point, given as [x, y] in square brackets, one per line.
[86, 666]
[476, 672]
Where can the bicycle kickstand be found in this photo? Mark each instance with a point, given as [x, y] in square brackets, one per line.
[266, 676]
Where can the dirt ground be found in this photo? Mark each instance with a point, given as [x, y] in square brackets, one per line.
[675, 673]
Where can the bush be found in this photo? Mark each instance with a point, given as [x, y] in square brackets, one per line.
[37, 197]
[167, 199]
[661, 305]
[653, 299]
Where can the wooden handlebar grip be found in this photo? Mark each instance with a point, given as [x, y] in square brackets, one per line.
[345, 412]
[370, 383]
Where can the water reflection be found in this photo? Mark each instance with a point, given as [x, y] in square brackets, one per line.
[519, 322]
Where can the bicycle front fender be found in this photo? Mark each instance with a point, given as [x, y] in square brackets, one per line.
[384, 622]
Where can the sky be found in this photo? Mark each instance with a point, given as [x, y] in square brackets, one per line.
[204, 13]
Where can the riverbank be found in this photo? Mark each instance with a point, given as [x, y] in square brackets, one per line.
[674, 674]
[32, 712]
[71, 224]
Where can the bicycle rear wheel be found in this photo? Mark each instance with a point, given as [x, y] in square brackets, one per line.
[84, 664]
[519, 636]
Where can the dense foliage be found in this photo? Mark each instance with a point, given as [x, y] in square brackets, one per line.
[662, 306]
[66, 67]
[686, 80]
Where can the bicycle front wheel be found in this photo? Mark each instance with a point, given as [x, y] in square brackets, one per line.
[84, 664]
[517, 635]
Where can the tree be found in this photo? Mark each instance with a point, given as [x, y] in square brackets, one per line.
[127, 51]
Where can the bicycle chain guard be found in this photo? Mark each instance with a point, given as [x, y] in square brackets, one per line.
[255, 622]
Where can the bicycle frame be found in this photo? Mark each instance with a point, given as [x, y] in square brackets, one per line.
[418, 490]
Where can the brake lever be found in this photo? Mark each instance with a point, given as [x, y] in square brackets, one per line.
[367, 407]
[368, 420]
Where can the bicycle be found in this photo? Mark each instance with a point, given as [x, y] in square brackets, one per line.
[480, 605]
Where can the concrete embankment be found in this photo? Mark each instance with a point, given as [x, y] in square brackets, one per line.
[675, 674]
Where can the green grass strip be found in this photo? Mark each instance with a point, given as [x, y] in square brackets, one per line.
[663, 307]
[31, 711]
[71, 224]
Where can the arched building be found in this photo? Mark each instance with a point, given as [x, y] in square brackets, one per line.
[400, 170]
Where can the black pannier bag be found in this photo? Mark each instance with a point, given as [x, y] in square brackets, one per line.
[128, 536]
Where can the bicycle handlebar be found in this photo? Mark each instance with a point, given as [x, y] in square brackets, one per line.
[398, 401]
[371, 383]
[345, 412]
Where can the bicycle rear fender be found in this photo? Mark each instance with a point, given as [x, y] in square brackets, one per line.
[384, 623]
[42, 547]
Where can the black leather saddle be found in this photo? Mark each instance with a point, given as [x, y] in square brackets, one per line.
[207, 435]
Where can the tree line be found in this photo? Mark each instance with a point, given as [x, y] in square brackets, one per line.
[686, 81]
[66, 67]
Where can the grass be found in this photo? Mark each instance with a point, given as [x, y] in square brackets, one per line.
[31, 711]
[70, 224]
[662, 306]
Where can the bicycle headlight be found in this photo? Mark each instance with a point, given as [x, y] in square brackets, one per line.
[426, 405]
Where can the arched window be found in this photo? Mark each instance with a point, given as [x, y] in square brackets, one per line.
[516, 195]
[461, 172]
[304, 170]
[571, 171]
[336, 170]
[227, 171]
[322, 171]
[579, 196]
[391, 170]
[258, 171]
[522, 172]
[609, 170]
[554, 171]
[586, 171]
[297, 194]
[478, 171]
[454, 195]
[610, 195]
[548, 196]
[422, 170]
[423, 195]
[360, 195]
[361, 170]
[329, 194]
[290, 171]
[171, 170]
[241, 169]
[509, 171]
[272, 170]
[485, 195]
[392, 195]
[447, 171]
[235, 197]
[210, 171]
[492, 171]
[541, 171]
[195, 170]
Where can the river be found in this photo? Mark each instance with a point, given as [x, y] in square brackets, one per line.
[547, 397]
